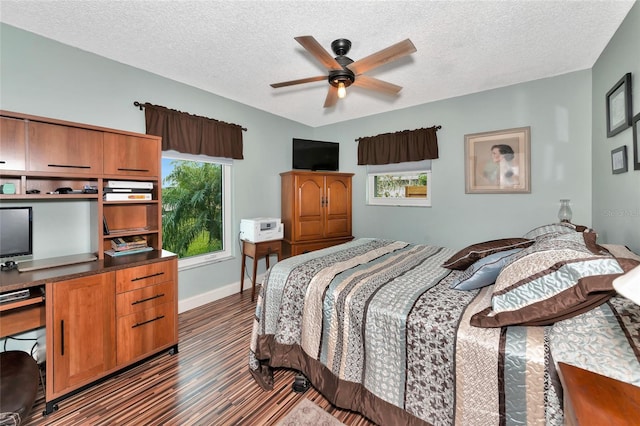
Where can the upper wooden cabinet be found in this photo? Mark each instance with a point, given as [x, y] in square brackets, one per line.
[64, 149]
[39, 156]
[12, 144]
[130, 155]
[316, 210]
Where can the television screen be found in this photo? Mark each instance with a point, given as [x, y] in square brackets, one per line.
[15, 231]
[315, 155]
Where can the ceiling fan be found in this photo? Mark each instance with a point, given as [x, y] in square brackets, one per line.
[344, 72]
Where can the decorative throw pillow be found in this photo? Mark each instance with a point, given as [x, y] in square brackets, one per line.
[483, 272]
[621, 252]
[556, 278]
[554, 228]
[470, 254]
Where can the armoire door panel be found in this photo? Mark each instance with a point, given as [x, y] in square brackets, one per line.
[338, 207]
[337, 227]
[309, 229]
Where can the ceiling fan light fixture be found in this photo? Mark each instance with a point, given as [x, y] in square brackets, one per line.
[342, 91]
[343, 71]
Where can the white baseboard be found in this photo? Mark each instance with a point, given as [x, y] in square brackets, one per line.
[213, 295]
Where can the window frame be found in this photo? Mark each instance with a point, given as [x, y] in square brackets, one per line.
[227, 251]
[399, 169]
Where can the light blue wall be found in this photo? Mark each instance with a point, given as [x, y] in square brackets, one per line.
[559, 112]
[616, 198]
[42, 77]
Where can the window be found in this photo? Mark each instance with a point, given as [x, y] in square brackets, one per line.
[196, 212]
[400, 184]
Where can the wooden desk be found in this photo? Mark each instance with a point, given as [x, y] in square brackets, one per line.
[593, 399]
[92, 314]
[256, 251]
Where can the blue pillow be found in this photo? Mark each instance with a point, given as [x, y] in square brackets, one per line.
[484, 271]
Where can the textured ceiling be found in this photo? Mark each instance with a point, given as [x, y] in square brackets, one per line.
[235, 49]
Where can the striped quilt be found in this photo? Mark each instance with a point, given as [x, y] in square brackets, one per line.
[375, 327]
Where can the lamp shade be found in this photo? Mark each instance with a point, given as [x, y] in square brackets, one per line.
[628, 285]
[565, 213]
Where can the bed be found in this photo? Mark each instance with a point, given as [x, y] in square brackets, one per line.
[415, 334]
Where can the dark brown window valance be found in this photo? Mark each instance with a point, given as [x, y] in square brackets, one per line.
[399, 147]
[193, 134]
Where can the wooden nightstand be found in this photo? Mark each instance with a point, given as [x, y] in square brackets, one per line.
[256, 251]
[593, 399]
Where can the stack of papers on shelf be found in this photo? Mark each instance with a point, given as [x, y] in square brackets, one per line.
[128, 245]
[115, 253]
[127, 190]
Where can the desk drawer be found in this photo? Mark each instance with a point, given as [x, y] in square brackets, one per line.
[141, 333]
[142, 276]
[147, 297]
[262, 248]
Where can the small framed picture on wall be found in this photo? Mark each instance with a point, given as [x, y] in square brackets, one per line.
[619, 106]
[619, 160]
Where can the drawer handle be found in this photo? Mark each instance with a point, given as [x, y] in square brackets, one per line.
[147, 322]
[69, 166]
[123, 169]
[3, 162]
[147, 299]
[157, 274]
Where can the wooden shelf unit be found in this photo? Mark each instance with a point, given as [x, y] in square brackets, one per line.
[105, 315]
[43, 154]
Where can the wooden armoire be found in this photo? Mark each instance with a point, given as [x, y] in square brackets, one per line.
[316, 210]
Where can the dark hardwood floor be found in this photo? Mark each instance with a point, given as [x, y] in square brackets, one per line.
[206, 383]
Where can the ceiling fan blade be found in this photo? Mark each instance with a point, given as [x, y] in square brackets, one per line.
[372, 83]
[332, 97]
[300, 81]
[312, 46]
[382, 57]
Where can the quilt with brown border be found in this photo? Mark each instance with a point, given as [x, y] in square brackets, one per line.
[375, 327]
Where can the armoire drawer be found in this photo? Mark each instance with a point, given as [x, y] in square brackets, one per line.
[144, 298]
[141, 333]
[145, 275]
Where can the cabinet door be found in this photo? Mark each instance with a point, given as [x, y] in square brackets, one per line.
[12, 144]
[64, 149]
[338, 206]
[131, 155]
[309, 207]
[82, 340]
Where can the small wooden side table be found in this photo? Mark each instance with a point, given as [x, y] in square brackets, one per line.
[256, 251]
[593, 399]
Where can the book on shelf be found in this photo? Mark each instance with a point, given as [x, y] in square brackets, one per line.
[127, 190]
[128, 243]
[127, 196]
[114, 253]
[129, 184]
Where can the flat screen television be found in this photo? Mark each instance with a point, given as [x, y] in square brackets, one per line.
[315, 155]
[16, 231]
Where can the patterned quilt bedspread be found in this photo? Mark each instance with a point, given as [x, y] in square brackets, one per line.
[375, 327]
